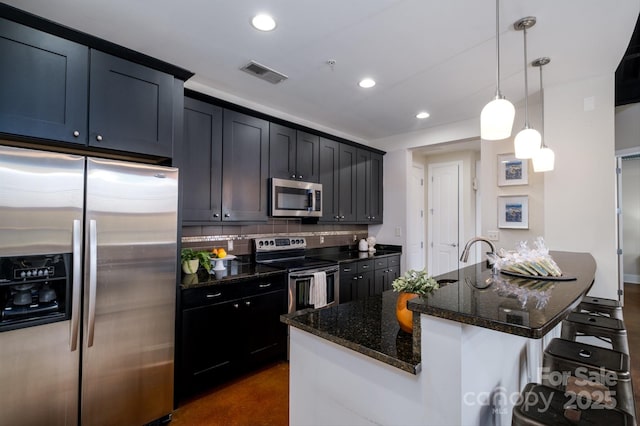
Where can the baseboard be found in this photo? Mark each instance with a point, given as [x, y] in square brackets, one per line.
[631, 279]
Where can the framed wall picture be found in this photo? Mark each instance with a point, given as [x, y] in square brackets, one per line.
[513, 212]
[512, 171]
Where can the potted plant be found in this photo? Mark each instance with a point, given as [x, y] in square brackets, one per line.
[412, 284]
[191, 260]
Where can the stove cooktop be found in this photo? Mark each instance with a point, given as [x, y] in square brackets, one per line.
[300, 264]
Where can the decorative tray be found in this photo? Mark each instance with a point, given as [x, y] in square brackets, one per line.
[539, 277]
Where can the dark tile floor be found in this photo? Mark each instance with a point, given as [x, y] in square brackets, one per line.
[262, 398]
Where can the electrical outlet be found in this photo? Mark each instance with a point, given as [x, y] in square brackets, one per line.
[321, 239]
[398, 231]
[229, 245]
[493, 235]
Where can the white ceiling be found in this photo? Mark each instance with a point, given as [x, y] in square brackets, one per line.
[433, 55]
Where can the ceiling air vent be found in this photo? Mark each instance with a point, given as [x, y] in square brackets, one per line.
[263, 72]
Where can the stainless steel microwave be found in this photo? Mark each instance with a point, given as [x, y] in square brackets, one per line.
[295, 198]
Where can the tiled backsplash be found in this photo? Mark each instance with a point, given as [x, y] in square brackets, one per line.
[207, 237]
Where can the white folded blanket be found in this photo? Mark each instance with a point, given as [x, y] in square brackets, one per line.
[318, 290]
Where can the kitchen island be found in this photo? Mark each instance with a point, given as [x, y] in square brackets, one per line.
[472, 351]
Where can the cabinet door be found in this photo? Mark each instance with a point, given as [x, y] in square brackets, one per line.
[43, 84]
[201, 162]
[348, 190]
[330, 179]
[393, 272]
[307, 152]
[366, 284]
[380, 281]
[245, 154]
[375, 197]
[348, 282]
[130, 106]
[282, 152]
[209, 343]
[363, 185]
[265, 336]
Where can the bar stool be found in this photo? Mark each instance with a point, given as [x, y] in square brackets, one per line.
[600, 306]
[610, 330]
[597, 373]
[541, 405]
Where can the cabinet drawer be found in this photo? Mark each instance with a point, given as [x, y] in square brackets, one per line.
[365, 266]
[263, 285]
[381, 262]
[210, 295]
[394, 261]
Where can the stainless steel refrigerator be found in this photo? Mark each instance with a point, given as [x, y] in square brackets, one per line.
[88, 251]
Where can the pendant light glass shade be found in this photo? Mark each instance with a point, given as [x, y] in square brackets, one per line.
[496, 118]
[544, 159]
[527, 143]
[528, 140]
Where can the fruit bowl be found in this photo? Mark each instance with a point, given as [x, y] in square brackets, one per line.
[219, 262]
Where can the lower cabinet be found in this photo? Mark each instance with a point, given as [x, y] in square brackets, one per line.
[366, 278]
[228, 329]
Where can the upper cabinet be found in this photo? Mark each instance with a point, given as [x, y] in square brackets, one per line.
[293, 154]
[56, 89]
[200, 162]
[130, 106]
[43, 84]
[369, 187]
[245, 164]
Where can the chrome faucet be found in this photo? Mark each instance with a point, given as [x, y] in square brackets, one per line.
[467, 247]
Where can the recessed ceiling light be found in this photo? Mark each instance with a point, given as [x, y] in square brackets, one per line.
[367, 83]
[263, 22]
[422, 114]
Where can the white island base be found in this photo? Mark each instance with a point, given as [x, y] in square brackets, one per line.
[470, 376]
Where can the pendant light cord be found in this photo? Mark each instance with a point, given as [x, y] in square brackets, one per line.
[498, 94]
[542, 102]
[526, 83]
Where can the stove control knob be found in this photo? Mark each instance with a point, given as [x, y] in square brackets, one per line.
[40, 273]
[46, 272]
[271, 242]
[260, 243]
[23, 274]
[28, 273]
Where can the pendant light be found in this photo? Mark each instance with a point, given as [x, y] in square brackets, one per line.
[496, 118]
[544, 159]
[527, 141]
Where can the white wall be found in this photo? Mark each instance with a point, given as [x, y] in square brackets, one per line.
[580, 193]
[578, 204]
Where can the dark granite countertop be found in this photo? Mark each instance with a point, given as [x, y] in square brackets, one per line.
[239, 269]
[525, 307]
[368, 326]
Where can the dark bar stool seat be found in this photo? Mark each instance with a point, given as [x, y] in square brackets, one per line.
[600, 306]
[602, 374]
[542, 405]
[611, 330]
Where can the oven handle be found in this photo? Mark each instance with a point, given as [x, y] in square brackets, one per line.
[309, 273]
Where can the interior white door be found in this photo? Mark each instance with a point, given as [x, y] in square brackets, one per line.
[444, 207]
[415, 232]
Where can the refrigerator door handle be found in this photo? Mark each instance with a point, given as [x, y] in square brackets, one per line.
[93, 270]
[75, 301]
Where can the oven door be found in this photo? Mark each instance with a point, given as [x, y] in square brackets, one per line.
[300, 287]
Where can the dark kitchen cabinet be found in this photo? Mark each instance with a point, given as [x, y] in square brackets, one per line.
[43, 84]
[387, 269]
[356, 280]
[338, 179]
[130, 106]
[229, 329]
[200, 160]
[369, 202]
[52, 88]
[245, 167]
[293, 154]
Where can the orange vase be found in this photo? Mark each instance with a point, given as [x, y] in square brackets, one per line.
[404, 315]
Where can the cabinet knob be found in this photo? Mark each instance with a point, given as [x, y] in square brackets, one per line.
[235, 305]
[247, 303]
[227, 215]
[355, 278]
[293, 176]
[341, 217]
[99, 138]
[336, 217]
[216, 215]
[299, 176]
[360, 277]
[76, 133]
[373, 218]
[365, 266]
